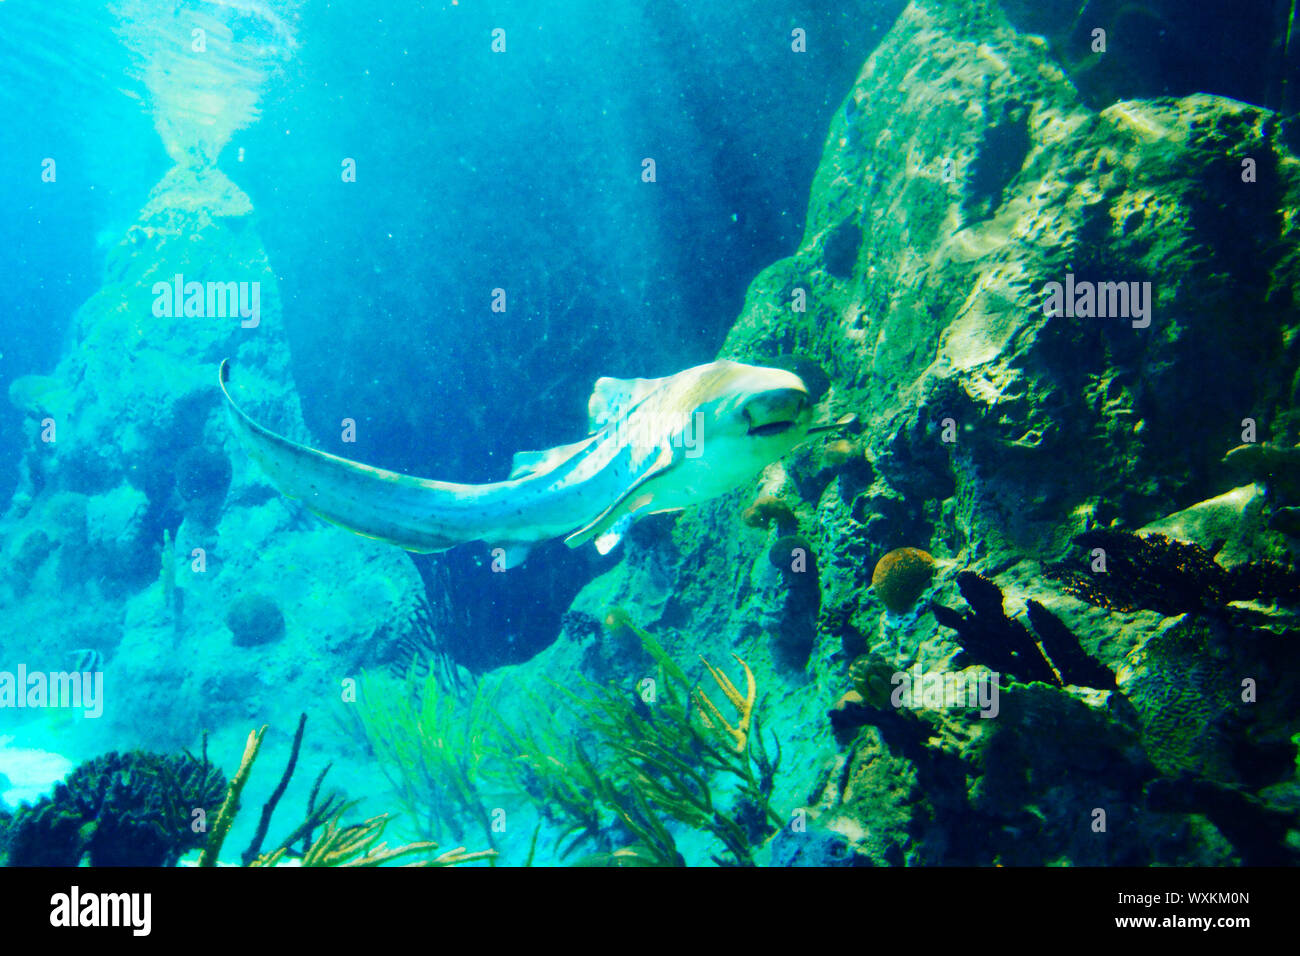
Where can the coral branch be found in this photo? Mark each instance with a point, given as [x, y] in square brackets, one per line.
[226, 816]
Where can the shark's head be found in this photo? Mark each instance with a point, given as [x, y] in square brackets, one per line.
[743, 418]
[766, 408]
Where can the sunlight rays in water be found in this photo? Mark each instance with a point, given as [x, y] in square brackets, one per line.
[205, 65]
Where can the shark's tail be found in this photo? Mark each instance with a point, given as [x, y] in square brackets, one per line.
[369, 501]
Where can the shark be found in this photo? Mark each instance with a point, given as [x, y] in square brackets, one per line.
[654, 445]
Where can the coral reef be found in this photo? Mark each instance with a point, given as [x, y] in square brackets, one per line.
[145, 450]
[965, 172]
[121, 809]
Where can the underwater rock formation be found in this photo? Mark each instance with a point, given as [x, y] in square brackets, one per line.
[1161, 48]
[142, 453]
[1025, 424]
[962, 176]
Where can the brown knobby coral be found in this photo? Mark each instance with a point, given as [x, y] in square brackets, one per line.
[901, 577]
[767, 509]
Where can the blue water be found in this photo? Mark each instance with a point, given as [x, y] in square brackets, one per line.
[400, 171]
[476, 170]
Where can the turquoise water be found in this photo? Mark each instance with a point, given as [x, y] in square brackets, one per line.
[420, 232]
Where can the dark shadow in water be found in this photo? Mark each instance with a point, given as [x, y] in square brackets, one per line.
[488, 618]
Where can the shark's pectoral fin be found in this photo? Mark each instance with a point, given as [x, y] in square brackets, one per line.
[607, 539]
[636, 502]
[369, 501]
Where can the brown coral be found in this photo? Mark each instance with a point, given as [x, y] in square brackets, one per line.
[901, 577]
[840, 452]
[767, 509]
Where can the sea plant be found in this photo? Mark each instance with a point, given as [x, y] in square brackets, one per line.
[553, 769]
[431, 744]
[339, 844]
[644, 760]
[988, 636]
[1051, 653]
[1169, 576]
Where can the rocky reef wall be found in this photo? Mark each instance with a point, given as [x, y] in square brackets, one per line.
[962, 175]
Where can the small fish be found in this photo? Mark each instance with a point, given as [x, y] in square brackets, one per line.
[655, 445]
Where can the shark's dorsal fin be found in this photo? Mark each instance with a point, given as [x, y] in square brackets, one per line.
[527, 463]
[615, 397]
[609, 524]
